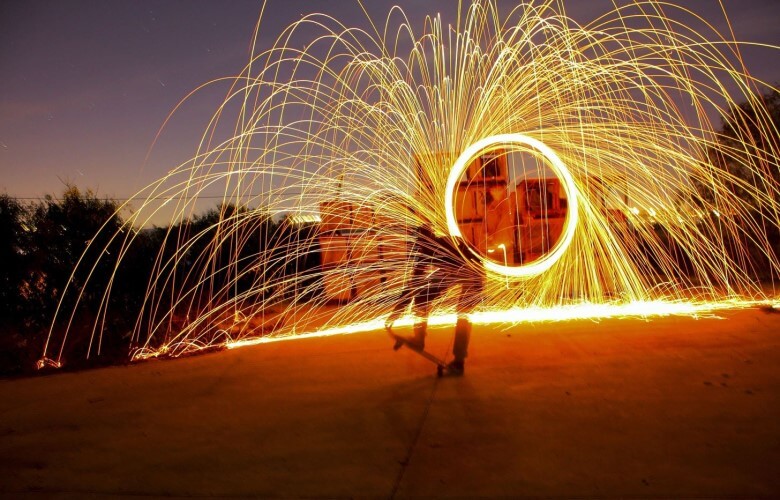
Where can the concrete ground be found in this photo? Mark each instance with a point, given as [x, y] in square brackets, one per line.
[673, 407]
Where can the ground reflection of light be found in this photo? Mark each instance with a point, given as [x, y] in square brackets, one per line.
[509, 317]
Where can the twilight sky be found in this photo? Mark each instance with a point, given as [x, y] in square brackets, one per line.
[86, 84]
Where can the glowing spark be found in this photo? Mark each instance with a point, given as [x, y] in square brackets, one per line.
[326, 157]
[640, 309]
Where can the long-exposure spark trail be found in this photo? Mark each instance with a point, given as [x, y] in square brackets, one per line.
[594, 141]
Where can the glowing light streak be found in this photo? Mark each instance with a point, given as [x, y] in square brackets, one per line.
[490, 144]
[509, 317]
[606, 105]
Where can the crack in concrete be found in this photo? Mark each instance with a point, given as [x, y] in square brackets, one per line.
[413, 444]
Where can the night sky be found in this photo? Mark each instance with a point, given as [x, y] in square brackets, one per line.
[86, 84]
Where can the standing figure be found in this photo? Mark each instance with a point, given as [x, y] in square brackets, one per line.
[439, 263]
[417, 286]
[458, 266]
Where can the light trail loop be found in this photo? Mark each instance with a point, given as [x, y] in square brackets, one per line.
[518, 141]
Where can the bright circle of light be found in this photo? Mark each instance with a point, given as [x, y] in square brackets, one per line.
[492, 143]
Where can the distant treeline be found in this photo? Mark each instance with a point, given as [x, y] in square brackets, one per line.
[41, 243]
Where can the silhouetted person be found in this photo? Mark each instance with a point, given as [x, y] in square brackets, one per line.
[439, 263]
[416, 286]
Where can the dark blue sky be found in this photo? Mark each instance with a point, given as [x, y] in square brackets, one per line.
[85, 84]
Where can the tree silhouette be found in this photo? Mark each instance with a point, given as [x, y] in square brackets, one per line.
[744, 142]
[12, 253]
[748, 156]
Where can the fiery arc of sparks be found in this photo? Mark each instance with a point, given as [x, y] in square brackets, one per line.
[618, 104]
